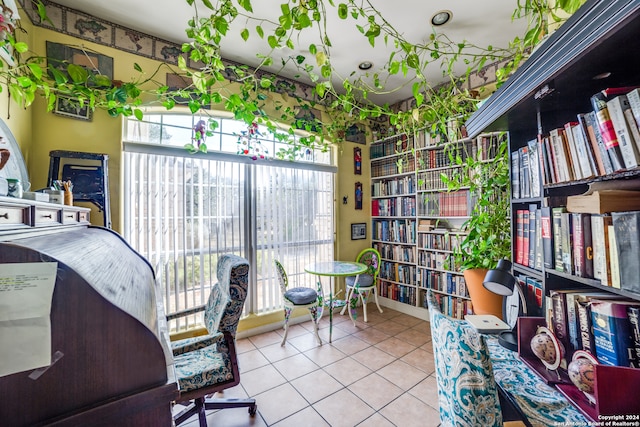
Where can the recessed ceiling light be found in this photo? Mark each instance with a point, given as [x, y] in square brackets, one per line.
[365, 65]
[602, 75]
[441, 17]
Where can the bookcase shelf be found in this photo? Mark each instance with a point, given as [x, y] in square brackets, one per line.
[550, 94]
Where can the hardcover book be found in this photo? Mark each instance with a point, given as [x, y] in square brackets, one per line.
[614, 264]
[627, 235]
[605, 125]
[600, 241]
[612, 331]
[616, 107]
[567, 239]
[604, 201]
[634, 320]
[556, 219]
[534, 168]
[595, 137]
[546, 231]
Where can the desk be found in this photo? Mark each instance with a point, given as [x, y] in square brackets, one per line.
[539, 402]
[335, 269]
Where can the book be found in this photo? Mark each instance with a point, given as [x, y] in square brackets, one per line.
[633, 313]
[582, 300]
[567, 239]
[595, 137]
[612, 331]
[614, 265]
[592, 145]
[634, 103]
[559, 156]
[556, 218]
[515, 174]
[519, 236]
[525, 180]
[605, 125]
[578, 222]
[538, 236]
[588, 246]
[531, 253]
[616, 107]
[559, 322]
[534, 168]
[552, 168]
[633, 127]
[572, 149]
[546, 230]
[585, 156]
[601, 254]
[525, 237]
[627, 237]
[604, 201]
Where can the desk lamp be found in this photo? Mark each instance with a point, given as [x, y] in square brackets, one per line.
[500, 281]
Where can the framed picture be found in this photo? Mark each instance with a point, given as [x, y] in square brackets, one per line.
[357, 161]
[359, 231]
[60, 55]
[70, 107]
[358, 192]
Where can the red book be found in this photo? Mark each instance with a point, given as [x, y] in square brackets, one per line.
[519, 236]
[599, 103]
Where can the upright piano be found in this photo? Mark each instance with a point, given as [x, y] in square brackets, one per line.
[112, 364]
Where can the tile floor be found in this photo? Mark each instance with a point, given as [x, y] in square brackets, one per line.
[379, 373]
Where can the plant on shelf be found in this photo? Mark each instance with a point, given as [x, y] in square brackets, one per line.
[249, 91]
[488, 236]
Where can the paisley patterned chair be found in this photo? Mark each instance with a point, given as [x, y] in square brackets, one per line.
[467, 391]
[365, 285]
[207, 364]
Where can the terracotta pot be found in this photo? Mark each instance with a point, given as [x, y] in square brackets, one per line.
[484, 301]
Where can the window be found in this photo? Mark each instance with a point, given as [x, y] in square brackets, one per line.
[182, 211]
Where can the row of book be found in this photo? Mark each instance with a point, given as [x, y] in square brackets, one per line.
[446, 155]
[390, 146]
[394, 206]
[440, 241]
[601, 323]
[436, 260]
[432, 180]
[393, 187]
[529, 230]
[441, 281]
[534, 294]
[393, 166]
[396, 252]
[394, 230]
[404, 294]
[458, 203]
[598, 143]
[453, 306]
[396, 272]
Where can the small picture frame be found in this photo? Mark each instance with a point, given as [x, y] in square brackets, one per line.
[359, 231]
[358, 195]
[357, 161]
[68, 106]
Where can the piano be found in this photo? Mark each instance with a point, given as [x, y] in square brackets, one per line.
[113, 365]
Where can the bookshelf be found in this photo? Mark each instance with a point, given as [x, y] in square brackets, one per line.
[416, 223]
[541, 106]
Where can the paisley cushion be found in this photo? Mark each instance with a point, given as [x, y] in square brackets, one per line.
[301, 295]
[190, 344]
[467, 392]
[364, 280]
[202, 368]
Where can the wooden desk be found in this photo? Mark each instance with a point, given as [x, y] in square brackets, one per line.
[541, 404]
[335, 269]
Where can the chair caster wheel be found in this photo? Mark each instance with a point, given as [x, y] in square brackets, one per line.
[253, 409]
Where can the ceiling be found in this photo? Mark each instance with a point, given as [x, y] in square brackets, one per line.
[483, 23]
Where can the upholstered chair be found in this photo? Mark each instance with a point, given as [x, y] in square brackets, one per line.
[363, 285]
[208, 364]
[301, 297]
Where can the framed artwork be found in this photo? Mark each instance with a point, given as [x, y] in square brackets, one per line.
[355, 134]
[70, 107]
[359, 231]
[359, 195]
[357, 161]
[59, 55]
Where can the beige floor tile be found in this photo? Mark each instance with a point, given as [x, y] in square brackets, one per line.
[304, 342]
[376, 420]
[409, 321]
[390, 327]
[402, 374]
[336, 334]
[280, 402]
[244, 345]
[427, 391]
[295, 366]
[343, 409]
[375, 391]
[237, 417]
[373, 358]
[371, 335]
[316, 386]
[350, 344]
[261, 379]
[265, 339]
[408, 411]
[347, 371]
[324, 355]
[251, 360]
[296, 330]
[306, 417]
[395, 347]
[275, 352]
[420, 359]
[414, 336]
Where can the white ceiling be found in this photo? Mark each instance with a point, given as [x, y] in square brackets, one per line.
[481, 22]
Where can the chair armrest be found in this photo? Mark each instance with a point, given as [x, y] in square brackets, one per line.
[191, 344]
[185, 313]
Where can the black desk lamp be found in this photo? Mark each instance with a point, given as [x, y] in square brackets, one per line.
[500, 281]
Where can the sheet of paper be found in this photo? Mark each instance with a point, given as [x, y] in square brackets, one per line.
[26, 291]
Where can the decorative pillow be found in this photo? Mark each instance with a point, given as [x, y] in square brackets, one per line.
[301, 295]
[364, 280]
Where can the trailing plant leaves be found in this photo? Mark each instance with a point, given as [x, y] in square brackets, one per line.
[77, 73]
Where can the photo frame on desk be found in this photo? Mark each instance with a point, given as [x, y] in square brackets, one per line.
[359, 231]
[68, 106]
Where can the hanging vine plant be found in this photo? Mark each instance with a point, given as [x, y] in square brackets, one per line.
[254, 88]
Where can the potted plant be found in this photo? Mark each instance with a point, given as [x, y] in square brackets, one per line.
[488, 236]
